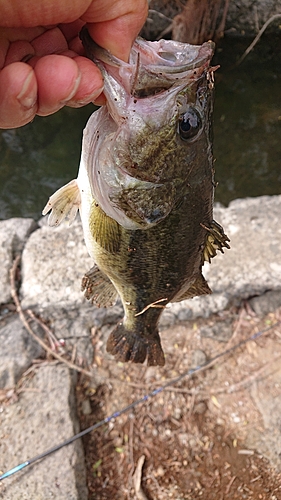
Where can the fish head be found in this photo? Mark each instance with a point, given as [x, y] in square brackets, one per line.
[153, 130]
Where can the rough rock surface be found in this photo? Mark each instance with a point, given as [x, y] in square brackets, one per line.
[18, 350]
[44, 416]
[246, 17]
[13, 235]
[266, 397]
[53, 263]
[268, 302]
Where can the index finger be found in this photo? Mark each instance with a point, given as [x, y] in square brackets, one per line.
[115, 25]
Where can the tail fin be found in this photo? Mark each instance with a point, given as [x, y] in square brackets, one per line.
[128, 345]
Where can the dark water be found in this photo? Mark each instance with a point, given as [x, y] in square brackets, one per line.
[37, 159]
[247, 120]
[42, 156]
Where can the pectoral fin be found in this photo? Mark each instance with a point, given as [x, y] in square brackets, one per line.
[198, 287]
[105, 230]
[63, 203]
[216, 240]
[98, 288]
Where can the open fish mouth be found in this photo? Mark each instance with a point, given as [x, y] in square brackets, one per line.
[153, 66]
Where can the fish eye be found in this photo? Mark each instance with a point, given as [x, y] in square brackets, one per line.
[190, 124]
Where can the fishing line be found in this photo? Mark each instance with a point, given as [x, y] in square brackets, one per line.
[137, 402]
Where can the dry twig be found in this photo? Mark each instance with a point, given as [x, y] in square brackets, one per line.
[255, 41]
[230, 484]
[54, 343]
[137, 479]
[29, 329]
[153, 304]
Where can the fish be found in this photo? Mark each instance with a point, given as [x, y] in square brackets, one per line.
[145, 188]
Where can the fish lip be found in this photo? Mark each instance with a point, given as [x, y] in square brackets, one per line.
[146, 65]
[151, 51]
[202, 53]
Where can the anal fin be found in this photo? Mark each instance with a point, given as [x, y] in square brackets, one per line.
[216, 240]
[98, 288]
[63, 203]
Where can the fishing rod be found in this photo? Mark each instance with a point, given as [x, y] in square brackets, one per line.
[151, 394]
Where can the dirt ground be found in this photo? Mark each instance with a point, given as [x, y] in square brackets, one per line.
[191, 441]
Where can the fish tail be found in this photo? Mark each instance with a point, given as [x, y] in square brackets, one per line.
[127, 345]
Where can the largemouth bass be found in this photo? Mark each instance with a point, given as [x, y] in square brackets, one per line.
[145, 188]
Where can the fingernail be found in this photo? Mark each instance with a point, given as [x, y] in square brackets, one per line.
[27, 97]
[73, 92]
[82, 102]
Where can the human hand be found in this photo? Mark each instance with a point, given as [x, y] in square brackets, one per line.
[42, 67]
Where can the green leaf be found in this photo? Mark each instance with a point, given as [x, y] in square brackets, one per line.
[97, 464]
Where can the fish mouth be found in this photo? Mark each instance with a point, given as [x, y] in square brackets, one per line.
[168, 55]
[153, 66]
[171, 57]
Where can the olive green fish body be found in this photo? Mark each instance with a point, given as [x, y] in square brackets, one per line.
[145, 189]
[152, 268]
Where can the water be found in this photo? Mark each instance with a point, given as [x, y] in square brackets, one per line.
[42, 156]
[247, 120]
[37, 159]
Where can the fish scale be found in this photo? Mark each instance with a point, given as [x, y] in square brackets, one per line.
[145, 188]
